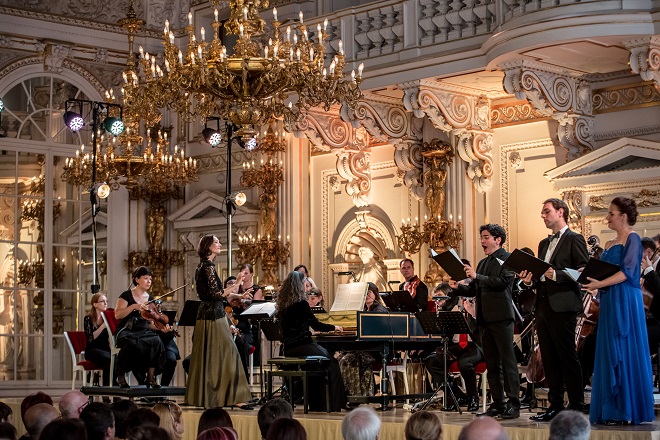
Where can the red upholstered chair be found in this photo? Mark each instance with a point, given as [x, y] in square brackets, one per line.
[77, 341]
[481, 370]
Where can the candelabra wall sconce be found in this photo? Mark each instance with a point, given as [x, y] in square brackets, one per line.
[437, 232]
[272, 252]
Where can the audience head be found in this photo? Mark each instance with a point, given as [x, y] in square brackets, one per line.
[171, 419]
[218, 433]
[361, 424]
[214, 418]
[121, 409]
[271, 411]
[6, 413]
[37, 417]
[99, 421]
[628, 207]
[147, 432]
[72, 403]
[286, 429]
[423, 425]
[65, 429]
[32, 400]
[7, 431]
[570, 425]
[483, 428]
[140, 417]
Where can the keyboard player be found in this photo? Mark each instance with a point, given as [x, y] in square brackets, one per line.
[466, 351]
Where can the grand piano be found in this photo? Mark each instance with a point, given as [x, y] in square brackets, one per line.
[381, 332]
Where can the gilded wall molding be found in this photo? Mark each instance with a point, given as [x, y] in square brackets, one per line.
[573, 199]
[559, 93]
[630, 132]
[505, 150]
[645, 58]
[512, 114]
[626, 97]
[354, 165]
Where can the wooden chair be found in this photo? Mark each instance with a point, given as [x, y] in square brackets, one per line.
[77, 341]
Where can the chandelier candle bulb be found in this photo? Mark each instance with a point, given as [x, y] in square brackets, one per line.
[341, 47]
[202, 31]
[275, 14]
[311, 54]
[215, 14]
[240, 29]
[295, 39]
[300, 14]
[199, 52]
[275, 52]
[141, 50]
[190, 19]
[360, 69]
[167, 27]
[266, 52]
[288, 33]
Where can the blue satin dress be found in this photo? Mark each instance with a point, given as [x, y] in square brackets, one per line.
[622, 385]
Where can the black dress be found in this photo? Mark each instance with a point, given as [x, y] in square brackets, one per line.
[295, 322]
[97, 349]
[141, 347]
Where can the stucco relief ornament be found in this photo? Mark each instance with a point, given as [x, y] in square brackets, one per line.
[596, 203]
[515, 160]
[409, 161]
[354, 165]
[647, 198]
[645, 58]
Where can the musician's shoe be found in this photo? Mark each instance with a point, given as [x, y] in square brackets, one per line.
[473, 404]
[121, 381]
[510, 412]
[463, 400]
[492, 411]
[545, 416]
[580, 407]
[152, 384]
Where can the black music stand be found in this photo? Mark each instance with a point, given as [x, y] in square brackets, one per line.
[444, 324]
[400, 301]
[188, 316]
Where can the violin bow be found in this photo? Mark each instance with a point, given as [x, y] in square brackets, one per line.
[168, 293]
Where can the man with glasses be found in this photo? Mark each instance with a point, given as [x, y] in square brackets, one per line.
[72, 403]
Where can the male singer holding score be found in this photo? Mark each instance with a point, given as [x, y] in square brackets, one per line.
[558, 302]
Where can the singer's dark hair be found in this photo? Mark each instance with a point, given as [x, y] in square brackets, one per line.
[558, 204]
[412, 263]
[140, 272]
[627, 206]
[496, 231]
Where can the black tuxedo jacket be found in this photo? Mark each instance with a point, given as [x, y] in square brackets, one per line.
[492, 287]
[564, 294]
[421, 296]
[652, 284]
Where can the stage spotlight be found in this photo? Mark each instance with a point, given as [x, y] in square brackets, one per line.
[213, 137]
[2, 105]
[113, 125]
[73, 120]
[103, 190]
[239, 198]
[248, 145]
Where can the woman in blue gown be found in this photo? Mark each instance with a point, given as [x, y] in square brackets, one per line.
[622, 388]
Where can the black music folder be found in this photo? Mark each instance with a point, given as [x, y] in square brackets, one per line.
[519, 261]
[598, 270]
[451, 263]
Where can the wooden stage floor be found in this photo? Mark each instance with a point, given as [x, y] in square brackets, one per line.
[321, 426]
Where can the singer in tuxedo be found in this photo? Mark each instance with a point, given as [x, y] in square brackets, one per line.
[418, 290]
[491, 284]
[558, 302]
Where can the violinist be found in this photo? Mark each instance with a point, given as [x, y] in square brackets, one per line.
[141, 347]
[240, 327]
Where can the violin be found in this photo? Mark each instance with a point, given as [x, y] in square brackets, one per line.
[152, 312]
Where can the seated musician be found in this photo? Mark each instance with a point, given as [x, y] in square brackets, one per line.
[240, 327]
[295, 318]
[356, 366]
[463, 348]
[651, 290]
[315, 297]
[418, 290]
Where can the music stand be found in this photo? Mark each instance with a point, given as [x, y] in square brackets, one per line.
[188, 316]
[444, 324]
[400, 301]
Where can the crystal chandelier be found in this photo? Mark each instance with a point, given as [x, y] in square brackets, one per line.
[250, 84]
[141, 158]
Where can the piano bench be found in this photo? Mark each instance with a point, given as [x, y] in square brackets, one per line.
[292, 367]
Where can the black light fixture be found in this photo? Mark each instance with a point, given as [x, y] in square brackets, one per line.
[113, 125]
[2, 105]
[212, 136]
[74, 121]
[248, 145]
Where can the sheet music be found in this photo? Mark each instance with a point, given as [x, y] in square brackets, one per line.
[349, 297]
[575, 274]
[265, 308]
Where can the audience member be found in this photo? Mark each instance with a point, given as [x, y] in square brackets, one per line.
[7, 431]
[361, 424]
[141, 417]
[218, 433]
[64, 429]
[37, 417]
[483, 428]
[570, 425]
[32, 400]
[171, 419]
[423, 425]
[72, 403]
[271, 411]
[215, 418]
[286, 429]
[6, 413]
[121, 409]
[147, 432]
[99, 421]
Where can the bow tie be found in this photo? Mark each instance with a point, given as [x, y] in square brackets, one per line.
[554, 236]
